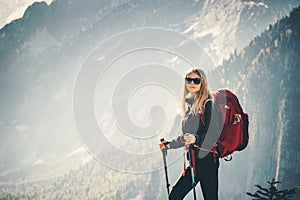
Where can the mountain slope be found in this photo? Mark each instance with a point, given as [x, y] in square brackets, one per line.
[264, 75]
[42, 53]
[271, 59]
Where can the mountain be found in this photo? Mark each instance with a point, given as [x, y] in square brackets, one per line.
[43, 54]
[264, 75]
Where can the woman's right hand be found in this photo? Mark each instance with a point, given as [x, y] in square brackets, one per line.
[189, 138]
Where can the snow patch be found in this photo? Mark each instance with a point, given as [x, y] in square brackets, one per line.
[82, 154]
[174, 60]
[38, 162]
[77, 152]
[217, 28]
[259, 4]
[191, 27]
[86, 160]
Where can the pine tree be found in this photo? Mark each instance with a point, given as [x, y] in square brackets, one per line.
[272, 193]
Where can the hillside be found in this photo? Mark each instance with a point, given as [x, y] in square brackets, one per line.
[43, 53]
[265, 76]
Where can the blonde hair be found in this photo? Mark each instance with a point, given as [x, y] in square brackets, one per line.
[202, 95]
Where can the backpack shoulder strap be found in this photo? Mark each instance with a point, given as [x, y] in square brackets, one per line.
[203, 110]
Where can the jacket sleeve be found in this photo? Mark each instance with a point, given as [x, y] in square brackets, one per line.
[206, 121]
[177, 142]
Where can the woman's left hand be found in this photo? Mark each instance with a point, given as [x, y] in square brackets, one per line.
[189, 138]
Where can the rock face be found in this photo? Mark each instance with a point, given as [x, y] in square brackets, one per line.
[264, 75]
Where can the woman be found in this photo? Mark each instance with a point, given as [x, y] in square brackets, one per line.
[194, 128]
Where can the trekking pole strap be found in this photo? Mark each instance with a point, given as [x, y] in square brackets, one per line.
[213, 150]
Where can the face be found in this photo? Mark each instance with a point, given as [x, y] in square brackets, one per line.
[193, 87]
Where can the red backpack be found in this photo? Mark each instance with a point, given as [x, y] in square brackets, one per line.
[234, 135]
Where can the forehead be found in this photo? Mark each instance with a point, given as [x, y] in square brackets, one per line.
[193, 75]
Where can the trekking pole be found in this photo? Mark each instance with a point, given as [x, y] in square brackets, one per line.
[164, 152]
[192, 172]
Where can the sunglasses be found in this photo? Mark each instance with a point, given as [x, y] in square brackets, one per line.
[195, 80]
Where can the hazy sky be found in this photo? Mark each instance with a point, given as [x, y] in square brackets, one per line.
[14, 9]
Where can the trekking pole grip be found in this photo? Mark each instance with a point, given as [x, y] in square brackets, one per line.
[164, 150]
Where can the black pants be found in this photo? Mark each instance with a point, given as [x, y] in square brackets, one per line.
[206, 174]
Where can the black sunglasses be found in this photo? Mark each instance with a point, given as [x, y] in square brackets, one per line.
[195, 80]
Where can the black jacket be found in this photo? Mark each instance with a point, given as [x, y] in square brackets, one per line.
[194, 124]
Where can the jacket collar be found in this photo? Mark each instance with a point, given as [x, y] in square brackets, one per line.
[190, 100]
